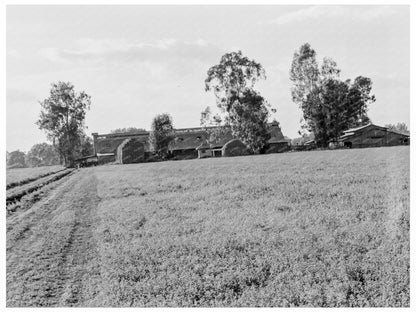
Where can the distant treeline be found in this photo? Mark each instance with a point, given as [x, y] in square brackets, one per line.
[43, 154]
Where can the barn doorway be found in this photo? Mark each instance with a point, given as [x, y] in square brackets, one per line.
[216, 152]
[348, 144]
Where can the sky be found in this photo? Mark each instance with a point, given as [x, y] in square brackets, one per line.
[139, 61]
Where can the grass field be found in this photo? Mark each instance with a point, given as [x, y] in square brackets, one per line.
[14, 176]
[321, 228]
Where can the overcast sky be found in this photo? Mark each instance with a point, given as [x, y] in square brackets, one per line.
[138, 61]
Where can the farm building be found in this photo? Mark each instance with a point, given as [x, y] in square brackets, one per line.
[371, 136]
[277, 143]
[120, 146]
[188, 143]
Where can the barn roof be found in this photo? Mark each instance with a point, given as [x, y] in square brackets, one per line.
[187, 140]
[400, 133]
[122, 135]
[276, 134]
[310, 142]
[347, 135]
[363, 127]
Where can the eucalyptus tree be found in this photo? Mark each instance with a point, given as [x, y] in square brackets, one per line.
[329, 105]
[62, 117]
[242, 110]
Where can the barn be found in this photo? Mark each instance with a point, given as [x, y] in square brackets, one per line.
[277, 142]
[122, 148]
[193, 142]
[188, 143]
[372, 135]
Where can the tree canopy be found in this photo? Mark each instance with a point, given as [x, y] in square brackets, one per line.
[42, 154]
[16, 159]
[62, 117]
[242, 109]
[329, 105]
[128, 130]
[400, 127]
[161, 134]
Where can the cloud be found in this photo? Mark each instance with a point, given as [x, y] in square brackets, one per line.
[14, 53]
[363, 13]
[151, 63]
[121, 51]
[14, 95]
[390, 81]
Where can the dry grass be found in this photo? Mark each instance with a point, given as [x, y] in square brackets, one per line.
[323, 228]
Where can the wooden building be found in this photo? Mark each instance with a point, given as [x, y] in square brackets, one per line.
[123, 148]
[371, 136]
[277, 143]
[188, 143]
[188, 140]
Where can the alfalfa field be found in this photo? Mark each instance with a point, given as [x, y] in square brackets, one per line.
[319, 228]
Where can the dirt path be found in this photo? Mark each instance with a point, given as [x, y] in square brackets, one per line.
[51, 253]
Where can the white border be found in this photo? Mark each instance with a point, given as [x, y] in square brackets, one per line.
[227, 2]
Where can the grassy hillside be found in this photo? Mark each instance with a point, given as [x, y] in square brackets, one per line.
[327, 228]
[321, 228]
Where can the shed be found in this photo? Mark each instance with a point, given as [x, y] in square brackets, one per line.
[372, 135]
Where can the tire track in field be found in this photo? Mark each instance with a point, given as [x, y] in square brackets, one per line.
[54, 262]
[81, 267]
[29, 180]
[15, 194]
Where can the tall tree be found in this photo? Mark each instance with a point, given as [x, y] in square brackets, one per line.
[42, 154]
[243, 111]
[62, 117]
[161, 134]
[16, 159]
[304, 73]
[329, 105]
